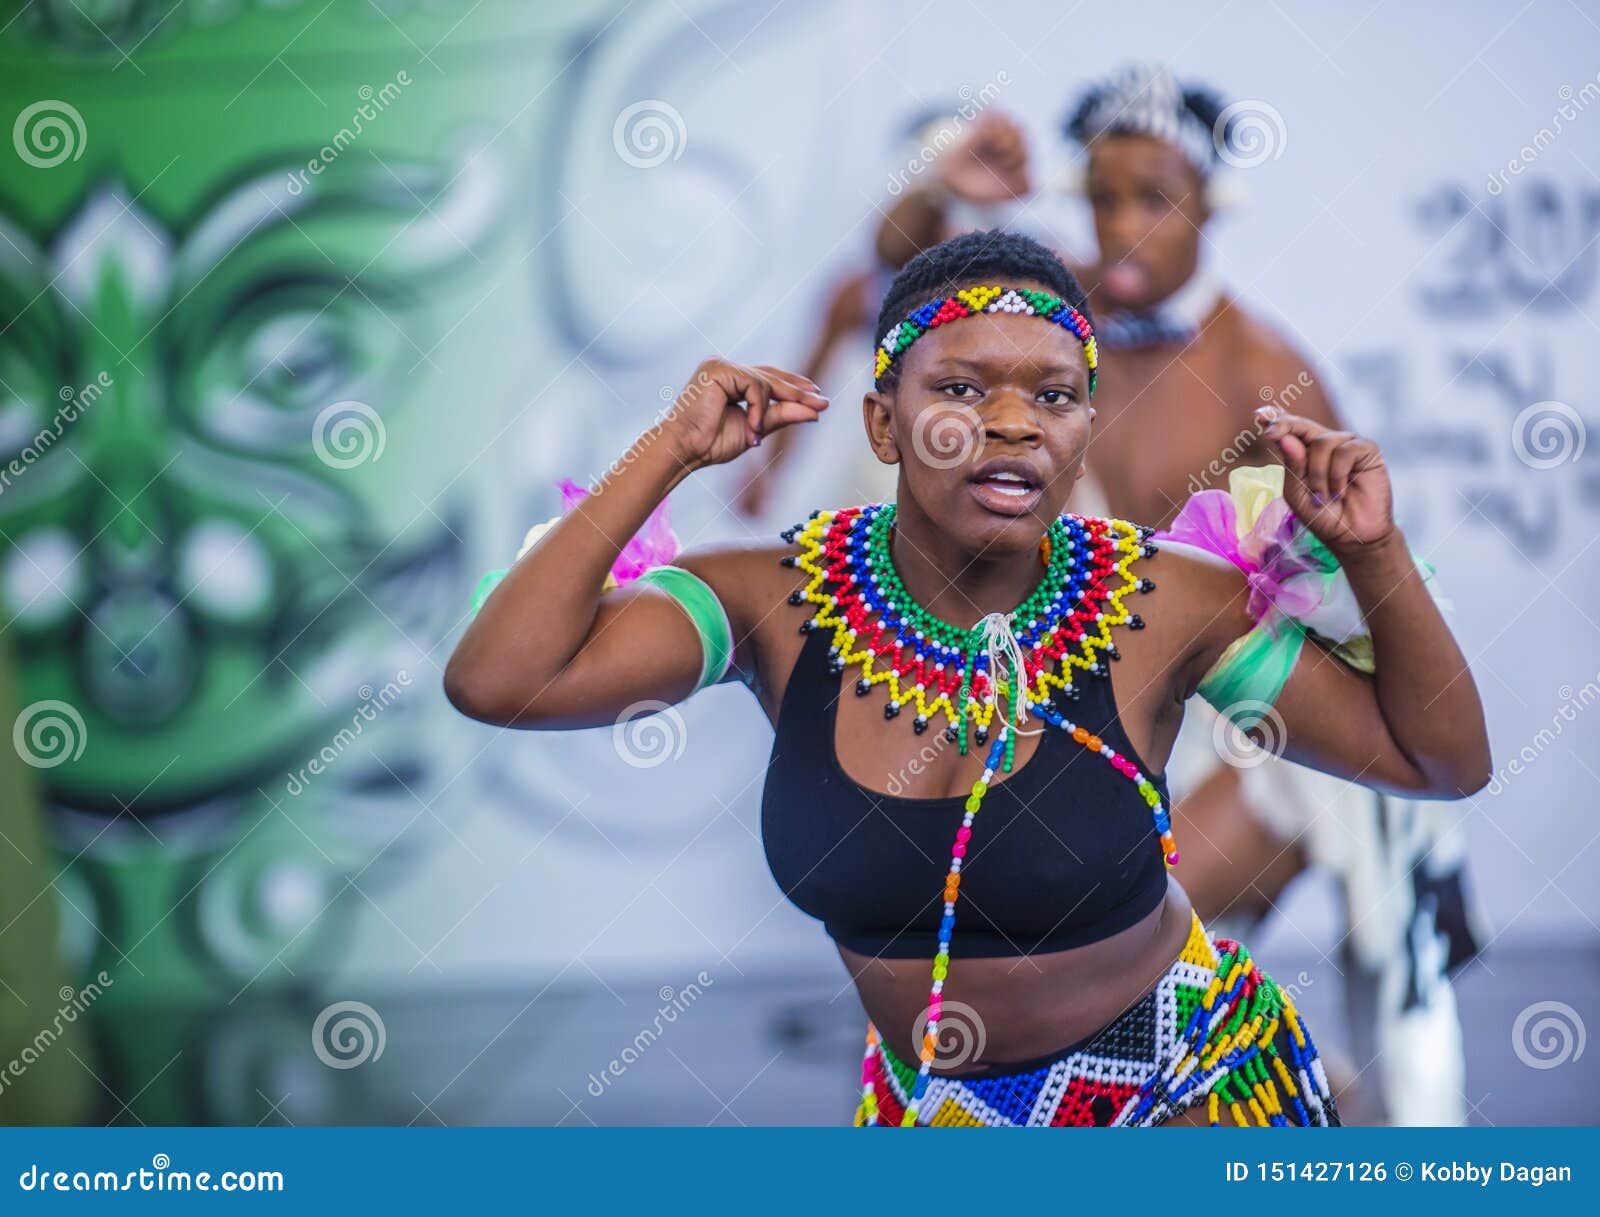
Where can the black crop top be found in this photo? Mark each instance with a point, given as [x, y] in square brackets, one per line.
[1068, 855]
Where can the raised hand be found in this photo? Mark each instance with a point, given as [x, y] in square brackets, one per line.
[989, 164]
[1334, 481]
[726, 408]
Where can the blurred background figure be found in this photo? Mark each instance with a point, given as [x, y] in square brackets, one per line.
[843, 338]
[796, 470]
[306, 309]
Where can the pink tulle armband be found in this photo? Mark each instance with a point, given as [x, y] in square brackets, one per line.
[655, 544]
[1293, 578]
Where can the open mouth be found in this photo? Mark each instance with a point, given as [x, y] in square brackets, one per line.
[1008, 487]
[1125, 281]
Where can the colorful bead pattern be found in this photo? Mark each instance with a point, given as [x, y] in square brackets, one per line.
[944, 669]
[973, 300]
[941, 669]
[1214, 1029]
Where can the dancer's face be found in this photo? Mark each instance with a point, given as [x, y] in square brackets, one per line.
[990, 423]
[1149, 207]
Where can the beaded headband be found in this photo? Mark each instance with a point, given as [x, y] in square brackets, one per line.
[971, 300]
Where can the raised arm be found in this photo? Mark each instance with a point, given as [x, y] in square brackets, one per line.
[987, 162]
[550, 648]
[1415, 724]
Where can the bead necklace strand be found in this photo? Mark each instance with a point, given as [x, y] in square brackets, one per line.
[1067, 618]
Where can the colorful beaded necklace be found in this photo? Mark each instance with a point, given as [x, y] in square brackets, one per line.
[973, 676]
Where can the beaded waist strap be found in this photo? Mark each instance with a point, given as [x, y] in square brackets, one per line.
[1215, 1029]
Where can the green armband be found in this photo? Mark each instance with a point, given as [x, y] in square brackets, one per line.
[705, 612]
[486, 585]
[1248, 677]
[491, 579]
[691, 593]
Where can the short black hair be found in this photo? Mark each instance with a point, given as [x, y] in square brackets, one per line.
[971, 259]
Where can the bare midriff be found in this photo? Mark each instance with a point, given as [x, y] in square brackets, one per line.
[1023, 1007]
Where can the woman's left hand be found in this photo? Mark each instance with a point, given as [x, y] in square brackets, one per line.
[1416, 724]
[1334, 481]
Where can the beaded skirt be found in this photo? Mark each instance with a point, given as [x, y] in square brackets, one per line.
[1215, 1030]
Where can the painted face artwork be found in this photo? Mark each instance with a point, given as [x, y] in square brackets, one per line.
[230, 522]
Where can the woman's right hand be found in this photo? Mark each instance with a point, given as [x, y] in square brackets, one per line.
[726, 408]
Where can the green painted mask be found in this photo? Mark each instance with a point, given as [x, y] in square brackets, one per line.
[253, 323]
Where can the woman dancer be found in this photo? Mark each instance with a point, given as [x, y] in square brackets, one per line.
[994, 623]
